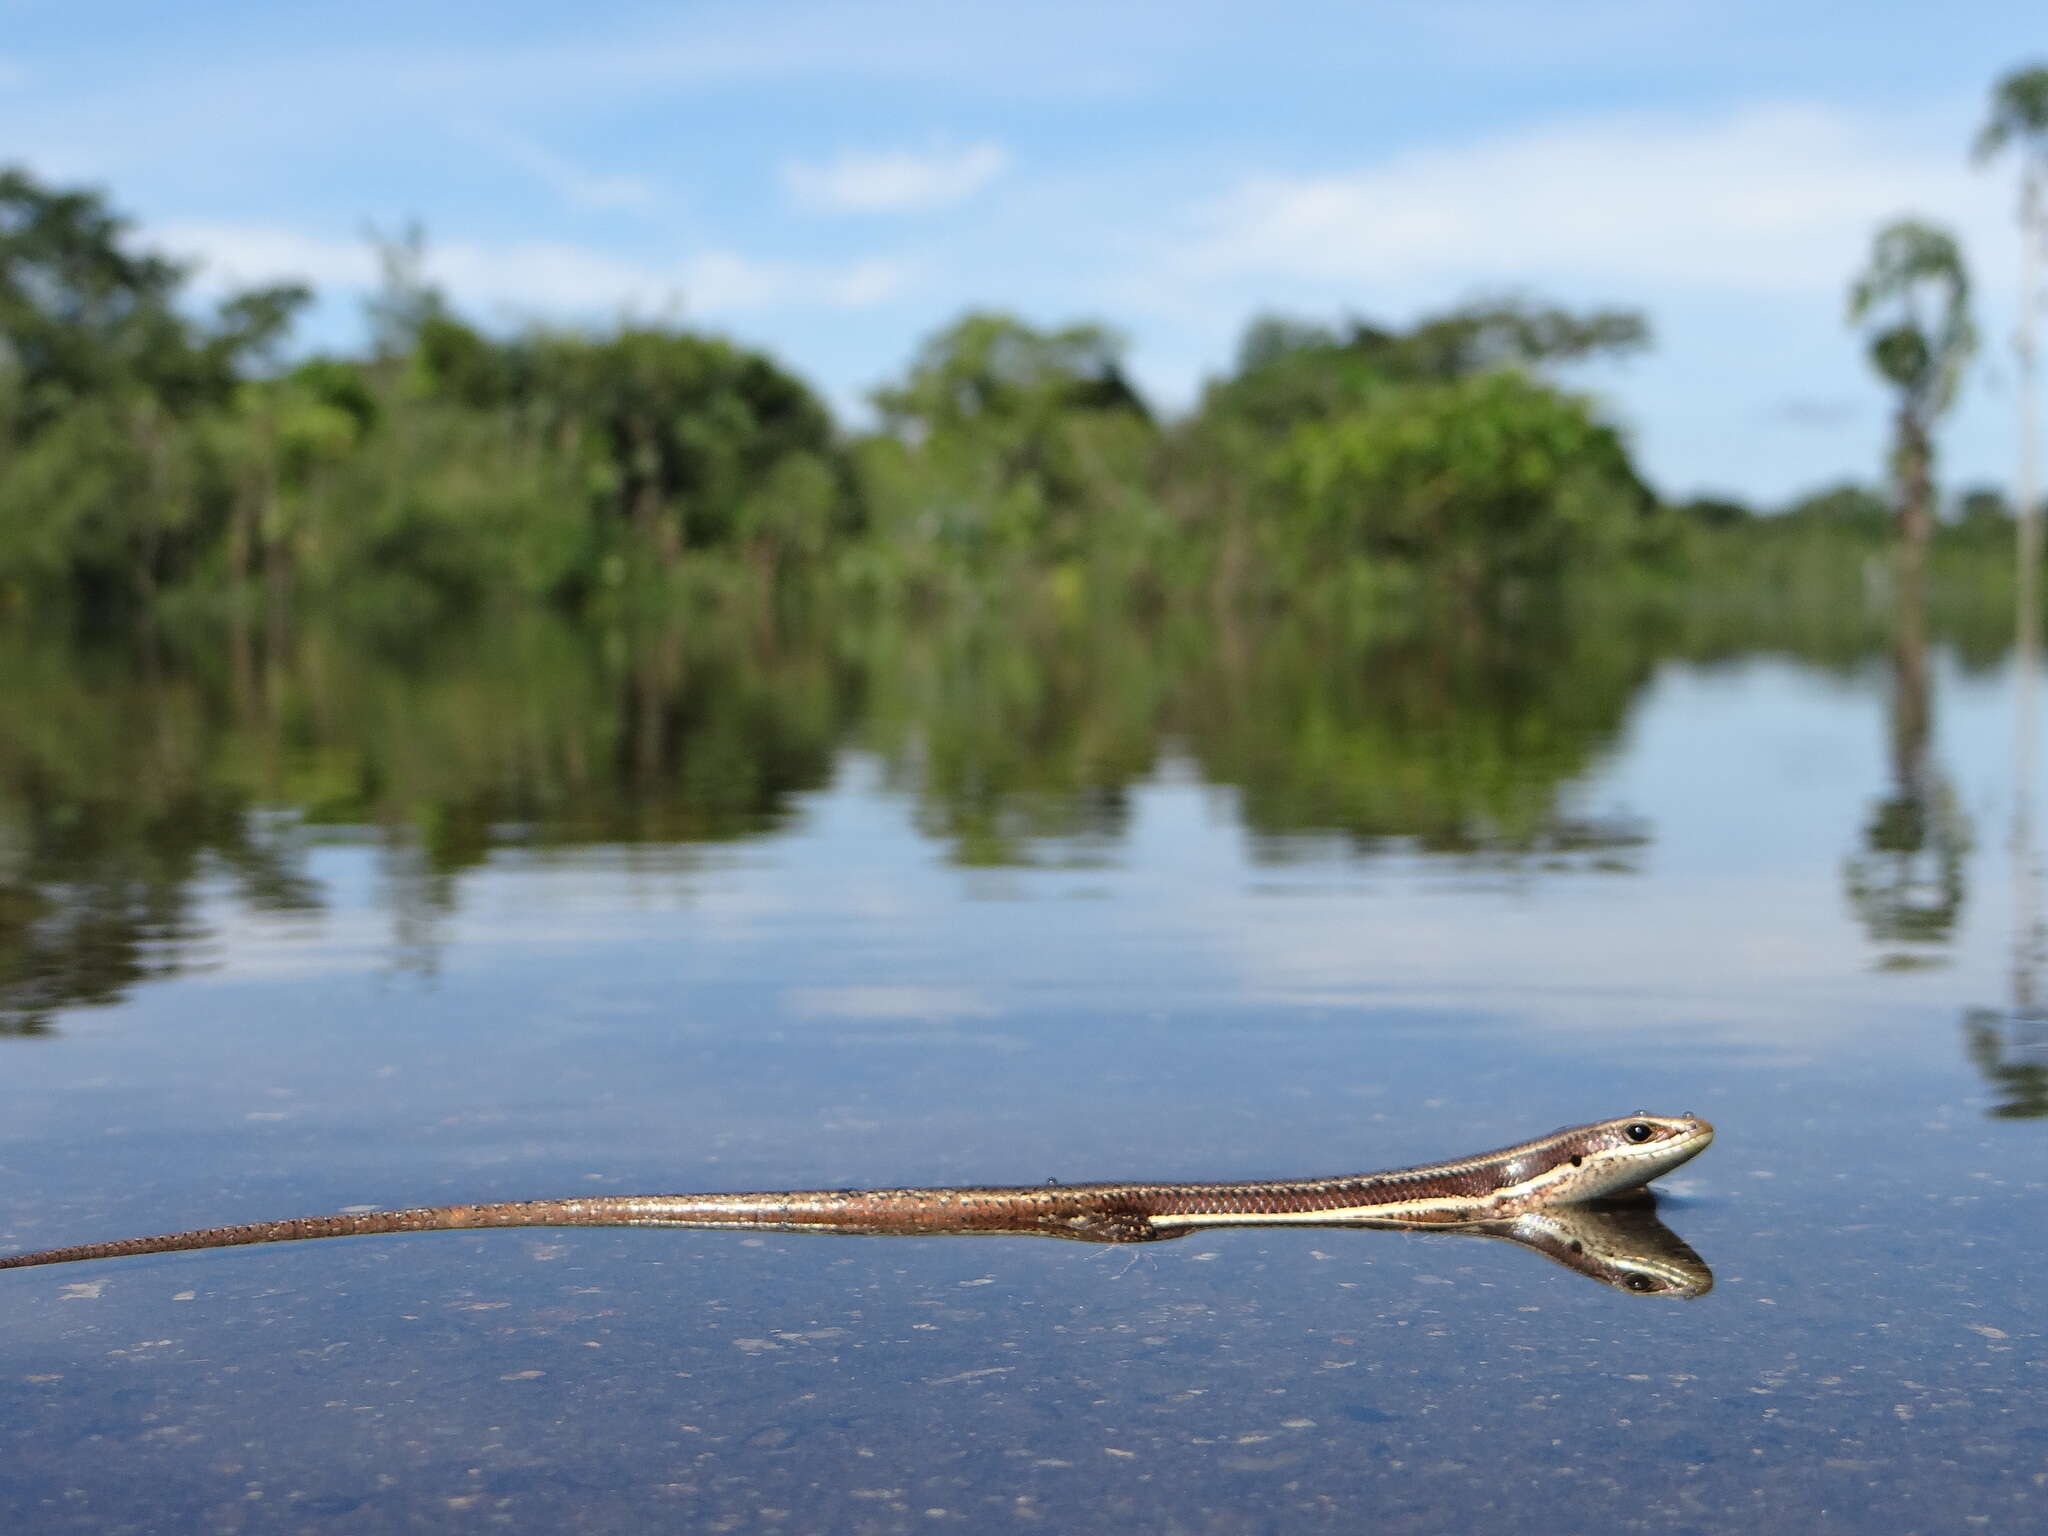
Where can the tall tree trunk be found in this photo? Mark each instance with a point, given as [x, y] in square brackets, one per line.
[2026, 498]
[1914, 466]
[2027, 936]
[241, 538]
[1911, 712]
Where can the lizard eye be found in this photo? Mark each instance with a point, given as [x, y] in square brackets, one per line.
[1638, 1131]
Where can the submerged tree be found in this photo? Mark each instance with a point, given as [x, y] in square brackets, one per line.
[1916, 294]
[2019, 118]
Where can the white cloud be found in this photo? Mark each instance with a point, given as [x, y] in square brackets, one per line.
[1767, 199]
[233, 255]
[538, 278]
[894, 181]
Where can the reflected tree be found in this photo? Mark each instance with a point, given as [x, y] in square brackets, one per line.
[1454, 740]
[97, 894]
[1018, 741]
[2011, 1051]
[1906, 883]
[2010, 1046]
[136, 789]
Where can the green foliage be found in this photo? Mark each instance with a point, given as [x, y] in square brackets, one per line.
[108, 393]
[143, 452]
[1502, 333]
[1915, 294]
[153, 456]
[1291, 370]
[1714, 512]
[1982, 517]
[1918, 291]
[83, 320]
[1434, 450]
[1487, 476]
[1011, 439]
[683, 428]
[2019, 117]
[1850, 509]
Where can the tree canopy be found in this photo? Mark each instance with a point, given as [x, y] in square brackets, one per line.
[1914, 297]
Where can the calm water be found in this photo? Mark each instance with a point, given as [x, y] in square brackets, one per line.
[527, 914]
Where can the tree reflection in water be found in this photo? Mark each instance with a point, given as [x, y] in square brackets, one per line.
[142, 798]
[1906, 882]
[2010, 1046]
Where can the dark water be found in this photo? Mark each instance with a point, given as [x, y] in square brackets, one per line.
[527, 913]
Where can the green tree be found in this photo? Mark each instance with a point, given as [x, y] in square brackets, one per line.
[1020, 436]
[82, 316]
[1716, 512]
[1336, 441]
[1503, 333]
[103, 492]
[1289, 370]
[1848, 508]
[1483, 477]
[1915, 295]
[1982, 516]
[682, 428]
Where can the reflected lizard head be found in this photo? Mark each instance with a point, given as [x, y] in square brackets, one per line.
[1619, 1242]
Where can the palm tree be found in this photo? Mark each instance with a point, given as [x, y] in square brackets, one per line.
[2019, 117]
[1917, 294]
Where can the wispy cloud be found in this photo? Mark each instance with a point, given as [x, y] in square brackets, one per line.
[894, 181]
[576, 185]
[1777, 199]
[539, 278]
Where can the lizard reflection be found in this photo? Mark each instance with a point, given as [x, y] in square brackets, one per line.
[1618, 1241]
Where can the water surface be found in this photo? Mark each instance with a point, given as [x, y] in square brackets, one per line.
[533, 913]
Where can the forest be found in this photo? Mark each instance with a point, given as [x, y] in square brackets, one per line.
[163, 457]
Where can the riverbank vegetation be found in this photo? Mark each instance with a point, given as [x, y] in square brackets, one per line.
[160, 457]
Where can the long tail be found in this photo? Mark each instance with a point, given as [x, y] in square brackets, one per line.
[607, 1211]
[1090, 1213]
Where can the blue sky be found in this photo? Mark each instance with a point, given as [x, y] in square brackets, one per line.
[833, 181]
